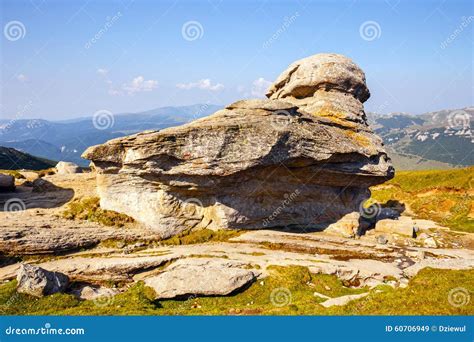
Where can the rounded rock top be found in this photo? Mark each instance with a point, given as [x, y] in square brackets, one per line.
[324, 71]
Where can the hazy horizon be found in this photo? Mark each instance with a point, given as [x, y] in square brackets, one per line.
[70, 60]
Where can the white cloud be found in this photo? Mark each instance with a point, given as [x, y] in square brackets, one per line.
[21, 78]
[102, 72]
[139, 84]
[259, 87]
[201, 84]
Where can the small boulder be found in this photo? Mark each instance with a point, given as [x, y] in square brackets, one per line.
[39, 282]
[7, 183]
[92, 293]
[66, 168]
[200, 276]
[430, 243]
[403, 226]
[347, 226]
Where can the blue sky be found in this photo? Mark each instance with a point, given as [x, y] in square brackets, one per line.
[419, 59]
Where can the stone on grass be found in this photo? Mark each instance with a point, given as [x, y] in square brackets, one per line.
[200, 277]
[38, 282]
[343, 300]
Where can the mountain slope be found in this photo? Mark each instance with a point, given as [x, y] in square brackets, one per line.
[66, 140]
[439, 139]
[11, 159]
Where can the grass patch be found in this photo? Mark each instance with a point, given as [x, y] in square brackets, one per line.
[190, 237]
[444, 196]
[89, 209]
[13, 173]
[427, 294]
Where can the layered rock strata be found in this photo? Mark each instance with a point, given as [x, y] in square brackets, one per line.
[303, 158]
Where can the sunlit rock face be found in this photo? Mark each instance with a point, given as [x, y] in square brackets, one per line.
[302, 158]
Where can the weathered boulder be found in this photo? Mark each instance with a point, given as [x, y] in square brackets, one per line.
[200, 276]
[7, 183]
[38, 282]
[404, 225]
[103, 294]
[65, 168]
[305, 157]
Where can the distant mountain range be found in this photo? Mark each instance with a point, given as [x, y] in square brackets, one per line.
[11, 159]
[66, 140]
[435, 140]
[441, 139]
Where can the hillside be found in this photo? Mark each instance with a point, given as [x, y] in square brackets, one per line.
[444, 196]
[435, 140]
[66, 140]
[11, 159]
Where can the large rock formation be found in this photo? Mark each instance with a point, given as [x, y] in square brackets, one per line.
[305, 157]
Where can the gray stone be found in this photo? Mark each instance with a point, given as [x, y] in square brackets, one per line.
[343, 300]
[200, 276]
[404, 225]
[38, 282]
[93, 293]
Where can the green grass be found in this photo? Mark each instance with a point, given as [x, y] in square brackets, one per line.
[427, 294]
[13, 173]
[444, 196]
[189, 237]
[89, 209]
[459, 179]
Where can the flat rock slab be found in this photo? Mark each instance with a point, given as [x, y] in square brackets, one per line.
[448, 264]
[201, 276]
[343, 300]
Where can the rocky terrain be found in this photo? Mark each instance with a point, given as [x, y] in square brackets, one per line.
[260, 208]
[103, 262]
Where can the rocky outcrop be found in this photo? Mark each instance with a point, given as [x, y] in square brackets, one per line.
[200, 277]
[64, 168]
[305, 157]
[38, 282]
